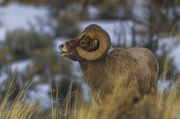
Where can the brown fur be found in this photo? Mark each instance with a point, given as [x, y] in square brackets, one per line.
[127, 67]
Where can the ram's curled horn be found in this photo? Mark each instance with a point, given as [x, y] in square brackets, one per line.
[96, 33]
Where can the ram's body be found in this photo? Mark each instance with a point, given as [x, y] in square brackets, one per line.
[122, 65]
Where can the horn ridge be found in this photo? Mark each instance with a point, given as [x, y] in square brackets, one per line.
[95, 31]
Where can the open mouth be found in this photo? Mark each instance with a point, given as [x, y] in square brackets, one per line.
[63, 53]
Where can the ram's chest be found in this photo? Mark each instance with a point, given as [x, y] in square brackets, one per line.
[96, 76]
[114, 70]
[102, 76]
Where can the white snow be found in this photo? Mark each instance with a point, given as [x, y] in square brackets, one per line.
[3, 77]
[170, 45]
[175, 55]
[40, 94]
[2, 33]
[86, 92]
[139, 9]
[20, 16]
[36, 78]
[77, 70]
[45, 88]
[164, 85]
[16, 15]
[167, 44]
[20, 66]
[92, 12]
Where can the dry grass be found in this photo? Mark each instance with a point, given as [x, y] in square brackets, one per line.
[120, 105]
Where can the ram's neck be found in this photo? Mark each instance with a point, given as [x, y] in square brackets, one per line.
[94, 75]
[92, 66]
[91, 69]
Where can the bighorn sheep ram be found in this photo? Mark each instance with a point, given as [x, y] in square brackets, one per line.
[102, 70]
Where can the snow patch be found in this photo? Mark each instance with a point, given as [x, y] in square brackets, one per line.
[20, 16]
[86, 92]
[164, 85]
[170, 45]
[2, 34]
[175, 55]
[45, 88]
[40, 94]
[3, 77]
[17, 15]
[167, 44]
[20, 66]
[92, 12]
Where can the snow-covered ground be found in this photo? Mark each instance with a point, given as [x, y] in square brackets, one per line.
[2, 33]
[164, 85]
[16, 67]
[20, 16]
[171, 45]
[175, 55]
[40, 94]
[20, 66]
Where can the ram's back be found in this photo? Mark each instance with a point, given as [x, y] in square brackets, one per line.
[135, 64]
[122, 67]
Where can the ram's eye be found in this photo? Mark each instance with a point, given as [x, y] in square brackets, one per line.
[70, 44]
[83, 43]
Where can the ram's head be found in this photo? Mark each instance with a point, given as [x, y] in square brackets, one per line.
[92, 44]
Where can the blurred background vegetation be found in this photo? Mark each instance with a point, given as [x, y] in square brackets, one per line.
[35, 53]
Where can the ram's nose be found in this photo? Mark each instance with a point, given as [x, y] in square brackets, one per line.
[63, 49]
[61, 46]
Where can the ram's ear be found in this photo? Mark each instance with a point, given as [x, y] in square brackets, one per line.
[95, 44]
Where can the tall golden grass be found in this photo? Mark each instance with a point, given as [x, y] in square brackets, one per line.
[119, 105]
